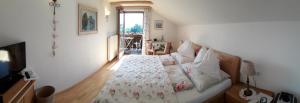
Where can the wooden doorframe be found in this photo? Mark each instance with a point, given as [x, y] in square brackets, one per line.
[119, 10]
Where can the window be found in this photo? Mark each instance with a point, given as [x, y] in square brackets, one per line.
[134, 23]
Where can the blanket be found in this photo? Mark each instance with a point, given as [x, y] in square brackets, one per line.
[139, 79]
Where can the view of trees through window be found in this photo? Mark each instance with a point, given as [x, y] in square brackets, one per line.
[133, 23]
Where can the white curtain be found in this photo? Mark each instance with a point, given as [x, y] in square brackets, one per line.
[147, 21]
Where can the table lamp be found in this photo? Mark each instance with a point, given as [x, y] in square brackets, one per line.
[248, 69]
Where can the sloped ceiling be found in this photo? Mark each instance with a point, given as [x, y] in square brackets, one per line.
[190, 12]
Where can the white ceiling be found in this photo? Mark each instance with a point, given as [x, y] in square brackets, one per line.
[191, 12]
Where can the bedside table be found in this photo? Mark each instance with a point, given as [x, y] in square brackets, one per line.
[232, 94]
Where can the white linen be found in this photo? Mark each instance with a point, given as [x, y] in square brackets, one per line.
[187, 66]
[178, 78]
[193, 96]
[202, 81]
[181, 59]
[138, 79]
[200, 56]
[186, 49]
[167, 60]
[206, 73]
[209, 66]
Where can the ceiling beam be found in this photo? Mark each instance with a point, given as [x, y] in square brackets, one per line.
[132, 2]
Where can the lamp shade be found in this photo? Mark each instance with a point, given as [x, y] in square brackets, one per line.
[248, 68]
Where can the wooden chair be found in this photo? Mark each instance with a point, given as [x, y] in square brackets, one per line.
[149, 47]
[167, 50]
[138, 44]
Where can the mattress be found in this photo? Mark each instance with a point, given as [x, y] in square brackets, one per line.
[193, 96]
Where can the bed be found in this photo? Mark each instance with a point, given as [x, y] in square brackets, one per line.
[143, 79]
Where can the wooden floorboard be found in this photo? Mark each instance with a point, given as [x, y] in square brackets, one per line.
[86, 90]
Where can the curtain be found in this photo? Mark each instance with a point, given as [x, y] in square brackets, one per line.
[147, 21]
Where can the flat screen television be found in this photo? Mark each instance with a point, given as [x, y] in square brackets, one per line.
[12, 61]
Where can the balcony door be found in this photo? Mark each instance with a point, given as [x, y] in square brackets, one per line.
[131, 31]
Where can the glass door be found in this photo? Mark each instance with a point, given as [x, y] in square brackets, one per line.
[121, 19]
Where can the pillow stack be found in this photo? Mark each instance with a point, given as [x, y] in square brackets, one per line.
[205, 70]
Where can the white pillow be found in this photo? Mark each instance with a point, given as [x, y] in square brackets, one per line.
[202, 81]
[181, 59]
[188, 66]
[207, 73]
[186, 49]
[210, 65]
[200, 56]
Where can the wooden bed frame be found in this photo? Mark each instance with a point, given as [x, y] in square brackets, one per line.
[229, 64]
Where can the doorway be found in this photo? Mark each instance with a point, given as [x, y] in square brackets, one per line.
[131, 31]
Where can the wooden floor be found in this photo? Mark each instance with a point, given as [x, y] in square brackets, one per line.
[86, 90]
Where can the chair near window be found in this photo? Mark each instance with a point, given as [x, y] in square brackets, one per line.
[138, 44]
[167, 49]
[149, 47]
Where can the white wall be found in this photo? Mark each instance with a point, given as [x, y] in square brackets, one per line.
[169, 29]
[77, 56]
[272, 46]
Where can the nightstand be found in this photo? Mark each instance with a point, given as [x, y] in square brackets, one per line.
[232, 94]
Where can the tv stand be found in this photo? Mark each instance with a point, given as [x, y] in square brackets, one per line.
[9, 81]
[21, 92]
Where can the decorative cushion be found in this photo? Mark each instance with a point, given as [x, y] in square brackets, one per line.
[186, 49]
[178, 79]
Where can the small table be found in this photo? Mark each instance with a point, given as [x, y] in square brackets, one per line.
[128, 41]
[232, 94]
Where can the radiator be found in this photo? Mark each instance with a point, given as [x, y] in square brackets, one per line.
[112, 47]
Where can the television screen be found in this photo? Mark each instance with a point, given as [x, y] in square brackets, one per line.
[4, 63]
[12, 59]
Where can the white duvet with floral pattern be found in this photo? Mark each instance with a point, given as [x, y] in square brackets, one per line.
[139, 79]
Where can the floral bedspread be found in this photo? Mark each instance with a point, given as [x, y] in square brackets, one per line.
[139, 79]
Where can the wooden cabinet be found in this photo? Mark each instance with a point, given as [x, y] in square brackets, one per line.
[21, 92]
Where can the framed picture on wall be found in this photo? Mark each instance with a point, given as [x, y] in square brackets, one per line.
[158, 24]
[87, 20]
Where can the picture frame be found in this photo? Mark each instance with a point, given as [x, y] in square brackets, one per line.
[158, 24]
[87, 20]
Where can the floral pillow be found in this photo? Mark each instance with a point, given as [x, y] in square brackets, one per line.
[178, 79]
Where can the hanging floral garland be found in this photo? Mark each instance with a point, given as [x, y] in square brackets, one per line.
[54, 4]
